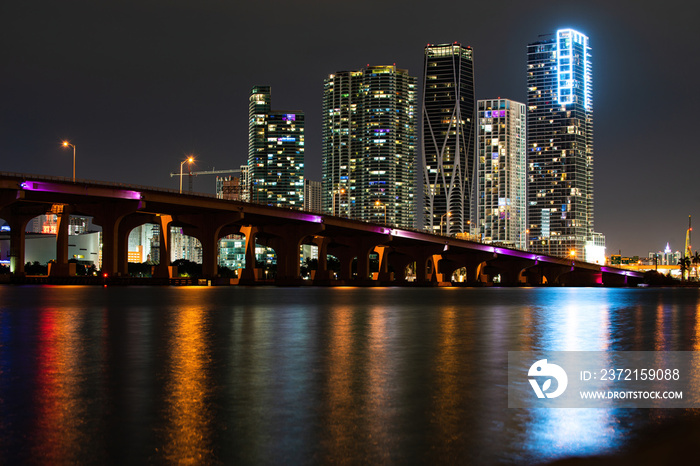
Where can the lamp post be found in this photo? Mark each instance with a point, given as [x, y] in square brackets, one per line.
[189, 159]
[66, 144]
[379, 204]
[340, 200]
[442, 217]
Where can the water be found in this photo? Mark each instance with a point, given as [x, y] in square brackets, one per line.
[312, 375]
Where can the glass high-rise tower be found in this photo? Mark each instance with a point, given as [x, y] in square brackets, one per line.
[369, 145]
[560, 144]
[275, 152]
[500, 197]
[448, 137]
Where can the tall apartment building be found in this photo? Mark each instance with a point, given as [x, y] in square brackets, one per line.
[501, 175]
[313, 196]
[560, 145]
[369, 145]
[449, 137]
[275, 152]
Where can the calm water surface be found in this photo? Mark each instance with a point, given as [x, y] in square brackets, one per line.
[312, 375]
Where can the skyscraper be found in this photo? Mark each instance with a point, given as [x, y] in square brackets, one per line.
[275, 152]
[500, 198]
[448, 137]
[560, 144]
[369, 145]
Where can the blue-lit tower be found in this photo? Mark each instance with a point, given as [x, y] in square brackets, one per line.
[560, 145]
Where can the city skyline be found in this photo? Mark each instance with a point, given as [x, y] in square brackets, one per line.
[167, 81]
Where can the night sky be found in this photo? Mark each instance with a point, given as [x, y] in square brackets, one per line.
[137, 85]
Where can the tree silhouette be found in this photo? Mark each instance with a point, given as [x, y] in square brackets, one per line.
[683, 265]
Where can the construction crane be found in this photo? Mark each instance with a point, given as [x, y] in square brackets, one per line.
[209, 172]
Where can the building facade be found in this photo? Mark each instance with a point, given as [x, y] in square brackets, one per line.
[313, 196]
[275, 152]
[501, 175]
[369, 145]
[449, 138]
[560, 145]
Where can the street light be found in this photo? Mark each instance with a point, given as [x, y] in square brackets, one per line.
[442, 217]
[379, 204]
[66, 144]
[340, 200]
[189, 159]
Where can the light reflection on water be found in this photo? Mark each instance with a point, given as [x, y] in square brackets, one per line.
[299, 375]
[187, 437]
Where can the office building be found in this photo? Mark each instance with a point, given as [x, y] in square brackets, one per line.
[500, 198]
[313, 196]
[275, 152]
[560, 145]
[449, 138]
[369, 145]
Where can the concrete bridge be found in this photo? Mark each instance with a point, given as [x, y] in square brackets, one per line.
[120, 208]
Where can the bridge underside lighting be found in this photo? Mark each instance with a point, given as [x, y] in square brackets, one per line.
[42, 186]
[311, 218]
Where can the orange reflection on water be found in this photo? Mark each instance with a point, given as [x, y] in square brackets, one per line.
[449, 393]
[188, 433]
[659, 331]
[379, 381]
[342, 412]
[696, 329]
[57, 433]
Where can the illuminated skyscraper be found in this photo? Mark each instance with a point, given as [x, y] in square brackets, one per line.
[275, 152]
[448, 137]
[369, 145]
[500, 197]
[560, 145]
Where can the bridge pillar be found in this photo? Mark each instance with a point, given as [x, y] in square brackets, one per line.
[543, 273]
[422, 255]
[249, 273]
[127, 224]
[18, 226]
[347, 248]
[345, 256]
[61, 268]
[17, 217]
[286, 241]
[207, 229]
[399, 261]
[509, 268]
[614, 279]
[162, 270]
[109, 216]
[384, 275]
[322, 275]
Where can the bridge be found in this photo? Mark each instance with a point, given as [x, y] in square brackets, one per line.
[120, 208]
